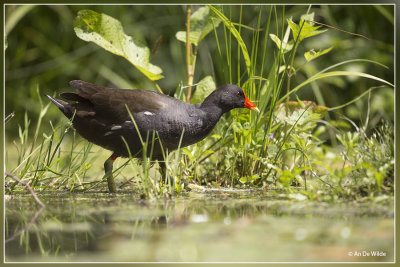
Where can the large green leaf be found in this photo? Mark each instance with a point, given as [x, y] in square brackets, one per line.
[205, 87]
[108, 33]
[202, 22]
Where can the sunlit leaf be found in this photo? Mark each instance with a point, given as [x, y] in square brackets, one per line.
[202, 22]
[311, 55]
[286, 47]
[308, 17]
[108, 33]
[187, 153]
[307, 30]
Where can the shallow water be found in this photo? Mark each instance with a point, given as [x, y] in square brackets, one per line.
[199, 227]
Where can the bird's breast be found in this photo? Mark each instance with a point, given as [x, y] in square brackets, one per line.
[173, 126]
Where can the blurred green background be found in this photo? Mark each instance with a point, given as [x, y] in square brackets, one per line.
[44, 52]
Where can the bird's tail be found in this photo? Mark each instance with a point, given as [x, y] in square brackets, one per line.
[65, 107]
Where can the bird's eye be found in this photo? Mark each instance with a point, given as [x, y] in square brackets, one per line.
[238, 93]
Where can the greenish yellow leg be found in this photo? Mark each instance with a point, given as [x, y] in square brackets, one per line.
[108, 168]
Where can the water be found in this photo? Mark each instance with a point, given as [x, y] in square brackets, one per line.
[198, 227]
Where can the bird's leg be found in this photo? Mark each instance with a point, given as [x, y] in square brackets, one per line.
[169, 180]
[108, 168]
[163, 170]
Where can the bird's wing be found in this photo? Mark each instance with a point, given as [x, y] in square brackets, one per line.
[110, 104]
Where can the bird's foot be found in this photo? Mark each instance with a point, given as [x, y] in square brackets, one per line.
[108, 167]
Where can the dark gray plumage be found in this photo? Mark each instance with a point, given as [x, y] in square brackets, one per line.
[100, 115]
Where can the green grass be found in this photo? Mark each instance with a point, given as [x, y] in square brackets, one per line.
[291, 146]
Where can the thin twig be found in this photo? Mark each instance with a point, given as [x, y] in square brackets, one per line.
[27, 187]
[329, 26]
[127, 182]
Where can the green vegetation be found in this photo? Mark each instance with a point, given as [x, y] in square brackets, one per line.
[325, 94]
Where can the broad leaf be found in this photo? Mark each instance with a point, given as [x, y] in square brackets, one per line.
[205, 87]
[307, 30]
[310, 55]
[108, 33]
[202, 22]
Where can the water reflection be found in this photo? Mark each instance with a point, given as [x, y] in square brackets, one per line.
[123, 228]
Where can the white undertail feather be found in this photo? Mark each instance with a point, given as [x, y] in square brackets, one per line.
[56, 102]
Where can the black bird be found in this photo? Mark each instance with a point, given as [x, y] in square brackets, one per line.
[104, 115]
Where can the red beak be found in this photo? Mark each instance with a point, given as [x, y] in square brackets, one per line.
[248, 104]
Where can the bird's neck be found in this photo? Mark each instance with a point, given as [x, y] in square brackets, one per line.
[212, 112]
[212, 106]
[204, 123]
[205, 116]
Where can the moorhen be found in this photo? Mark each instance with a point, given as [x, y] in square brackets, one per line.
[100, 115]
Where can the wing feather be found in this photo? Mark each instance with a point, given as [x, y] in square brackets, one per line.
[110, 103]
